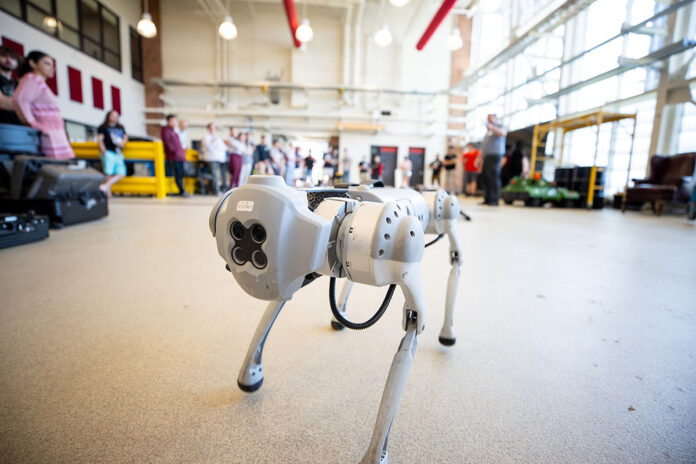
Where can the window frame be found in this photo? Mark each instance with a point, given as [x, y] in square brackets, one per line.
[133, 32]
[24, 4]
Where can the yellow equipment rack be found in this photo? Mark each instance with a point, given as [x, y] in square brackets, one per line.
[571, 123]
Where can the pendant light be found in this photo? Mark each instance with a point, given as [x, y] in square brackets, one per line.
[227, 29]
[383, 37]
[304, 33]
[398, 3]
[454, 41]
[145, 26]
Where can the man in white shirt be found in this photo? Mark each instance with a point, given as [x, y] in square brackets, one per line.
[214, 153]
[181, 132]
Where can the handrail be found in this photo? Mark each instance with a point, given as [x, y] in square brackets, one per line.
[140, 151]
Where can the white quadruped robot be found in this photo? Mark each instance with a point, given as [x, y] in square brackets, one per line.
[276, 239]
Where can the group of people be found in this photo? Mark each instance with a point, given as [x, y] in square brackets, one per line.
[29, 101]
[491, 166]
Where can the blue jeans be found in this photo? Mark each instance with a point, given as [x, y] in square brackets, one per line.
[490, 178]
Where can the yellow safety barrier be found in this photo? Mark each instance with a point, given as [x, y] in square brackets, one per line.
[159, 185]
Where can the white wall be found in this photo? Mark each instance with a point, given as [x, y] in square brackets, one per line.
[132, 91]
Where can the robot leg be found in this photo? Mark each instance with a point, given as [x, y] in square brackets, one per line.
[251, 374]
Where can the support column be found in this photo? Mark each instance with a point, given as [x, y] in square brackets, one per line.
[152, 67]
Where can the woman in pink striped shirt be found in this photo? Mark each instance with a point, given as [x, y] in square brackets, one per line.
[37, 106]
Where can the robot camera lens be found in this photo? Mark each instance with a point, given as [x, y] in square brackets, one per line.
[237, 230]
[258, 233]
[238, 256]
[259, 259]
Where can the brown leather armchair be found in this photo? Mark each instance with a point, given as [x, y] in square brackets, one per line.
[671, 180]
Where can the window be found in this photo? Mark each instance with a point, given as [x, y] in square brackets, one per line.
[136, 48]
[83, 24]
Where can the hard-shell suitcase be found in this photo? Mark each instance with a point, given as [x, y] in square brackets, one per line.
[63, 190]
[18, 229]
[19, 139]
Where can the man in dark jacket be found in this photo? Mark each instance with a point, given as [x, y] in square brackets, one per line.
[174, 152]
[9, 60]
[262, 155]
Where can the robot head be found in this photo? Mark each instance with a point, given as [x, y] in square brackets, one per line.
[268, 237]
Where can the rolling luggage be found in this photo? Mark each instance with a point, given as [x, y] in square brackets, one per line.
[15, 139]
[63, 190]
[18, 229]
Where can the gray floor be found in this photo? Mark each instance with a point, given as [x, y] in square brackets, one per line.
[120, 341]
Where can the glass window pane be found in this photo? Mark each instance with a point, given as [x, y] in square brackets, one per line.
[42, 4]
[112, 59]
[41, 20]
[91, 48]
[69, 36]
[67, 12]
[12, 7]
[90, 20]
[111, 35]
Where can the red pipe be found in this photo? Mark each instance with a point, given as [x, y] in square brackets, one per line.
[435, 23]
[292, 20]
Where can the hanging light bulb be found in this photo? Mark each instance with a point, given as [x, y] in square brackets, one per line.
[383, 37]
[146, 27]
[227, 29]
[489, 6]
[454, 41]
[304, 33]
[50, 23]
[398, 3]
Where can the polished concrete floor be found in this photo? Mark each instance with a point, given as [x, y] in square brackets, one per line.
[120, 341]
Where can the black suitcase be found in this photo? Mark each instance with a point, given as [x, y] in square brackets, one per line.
[19, 139]
[63, 190]
[18, 229]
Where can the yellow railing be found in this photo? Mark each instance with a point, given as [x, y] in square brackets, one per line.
[159, 185]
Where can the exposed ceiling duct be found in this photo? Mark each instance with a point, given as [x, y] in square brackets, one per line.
[435, 22]
[291, 13]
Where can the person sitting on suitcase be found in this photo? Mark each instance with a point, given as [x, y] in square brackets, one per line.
[111, 137]
[37, 106]
[9, 60]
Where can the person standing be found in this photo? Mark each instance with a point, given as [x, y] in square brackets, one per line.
[111, 138]
[516, 160]
[262, 157]
[377, 168]
[493, 149]
[214, 154]
[289, 165]
[450, 164]
[346, 163]
[9, 60]
[181, 129]
[237, 153]
[329, 167]
[247, 157]
[406, 172]
[309, 167]
[278, 158]
[436, 167]
[174, 153]
[37, 106]
[364, 168]
[471, 168]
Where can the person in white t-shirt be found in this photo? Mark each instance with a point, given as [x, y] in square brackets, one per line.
[214, 153]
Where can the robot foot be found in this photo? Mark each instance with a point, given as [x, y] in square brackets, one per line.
[447, 341]
[250, 388]
[337, 325]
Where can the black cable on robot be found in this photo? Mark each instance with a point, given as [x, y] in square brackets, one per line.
[363, 325]
[433, 240]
